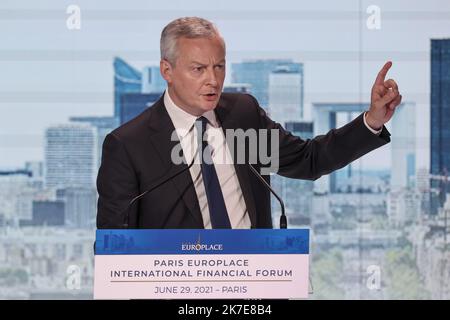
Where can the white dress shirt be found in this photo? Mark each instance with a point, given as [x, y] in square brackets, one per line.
[221, 156]
[377, 132]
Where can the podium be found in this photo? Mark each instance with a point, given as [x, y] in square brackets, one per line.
[201, 264]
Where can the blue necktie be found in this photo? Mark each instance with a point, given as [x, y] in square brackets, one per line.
[216, 203]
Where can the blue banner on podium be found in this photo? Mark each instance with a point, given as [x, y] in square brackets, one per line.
[205, 241]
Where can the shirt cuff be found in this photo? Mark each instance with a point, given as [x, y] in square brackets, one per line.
[377, 132]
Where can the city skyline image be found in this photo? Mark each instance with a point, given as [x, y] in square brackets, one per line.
[72, 72]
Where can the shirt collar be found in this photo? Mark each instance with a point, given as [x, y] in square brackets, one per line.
[182, 120]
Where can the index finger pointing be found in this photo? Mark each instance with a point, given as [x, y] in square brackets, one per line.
[382, 74]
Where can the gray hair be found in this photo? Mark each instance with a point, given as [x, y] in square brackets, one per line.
[188, 27]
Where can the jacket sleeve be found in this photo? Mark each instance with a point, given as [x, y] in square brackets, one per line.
[311, 158]
[116, 185]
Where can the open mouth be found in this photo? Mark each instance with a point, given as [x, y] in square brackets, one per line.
[210, 96]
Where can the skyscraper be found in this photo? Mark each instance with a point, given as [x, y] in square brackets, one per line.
[285, 94]
[134, 91]
[70, 155]
[103, 125]
[256, 73]
[132, 104]
[126, 80]
[440, 119]
[152, 81]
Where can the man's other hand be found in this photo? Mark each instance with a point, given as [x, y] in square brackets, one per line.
[385, 97]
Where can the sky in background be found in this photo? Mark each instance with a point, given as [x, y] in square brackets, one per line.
[49, 73]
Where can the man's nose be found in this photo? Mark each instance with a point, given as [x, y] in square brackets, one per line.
[211, 77]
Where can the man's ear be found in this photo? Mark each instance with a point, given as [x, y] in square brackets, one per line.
[166, 70]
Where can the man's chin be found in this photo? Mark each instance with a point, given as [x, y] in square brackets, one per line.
[210, 105]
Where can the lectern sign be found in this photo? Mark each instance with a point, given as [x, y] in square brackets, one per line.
[201, 264]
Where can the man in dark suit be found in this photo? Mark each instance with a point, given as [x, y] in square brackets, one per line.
[214, 193]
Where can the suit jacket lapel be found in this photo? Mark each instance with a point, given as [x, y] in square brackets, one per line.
[161, 131]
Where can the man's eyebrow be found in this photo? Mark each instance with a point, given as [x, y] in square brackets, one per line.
[203, 64]
[199, 63]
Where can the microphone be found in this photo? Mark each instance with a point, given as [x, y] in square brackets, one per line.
[283, 220]
[135, 199]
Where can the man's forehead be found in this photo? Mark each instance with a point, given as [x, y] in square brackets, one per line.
[198, 44]
[194, 51]
[212, 39]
